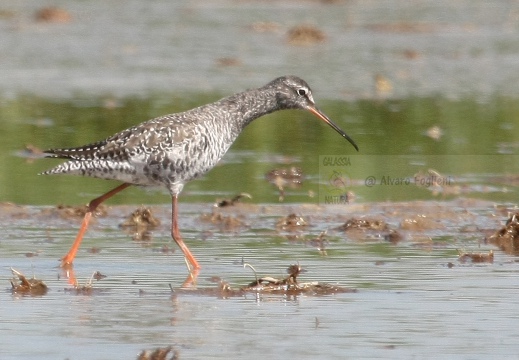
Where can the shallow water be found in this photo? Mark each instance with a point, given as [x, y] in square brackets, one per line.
[428, 91]
[413, 298]
[128, 48]
[479, 157]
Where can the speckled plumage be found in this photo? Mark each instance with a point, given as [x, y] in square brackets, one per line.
[173, 149]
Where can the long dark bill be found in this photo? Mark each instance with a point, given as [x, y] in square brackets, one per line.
[327, 120]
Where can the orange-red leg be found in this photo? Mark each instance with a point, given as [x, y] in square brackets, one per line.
[67, 260]
[175, 234]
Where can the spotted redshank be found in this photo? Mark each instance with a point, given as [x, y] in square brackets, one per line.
[173, 149]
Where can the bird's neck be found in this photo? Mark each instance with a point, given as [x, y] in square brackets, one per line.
[247, 106]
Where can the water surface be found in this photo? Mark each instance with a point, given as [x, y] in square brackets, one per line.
[423, 88]
[413, 298]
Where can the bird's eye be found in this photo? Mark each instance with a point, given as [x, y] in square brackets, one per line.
[301, 92]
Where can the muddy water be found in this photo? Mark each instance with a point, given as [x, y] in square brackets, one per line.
[413, 298]
[427, 90]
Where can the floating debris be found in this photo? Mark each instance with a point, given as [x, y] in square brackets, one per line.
[293, 272]
[88, 288]
[291, 222]
[69, 212]
[228, 62]
[393, 236]
[233, 201]
[411, 54]
[53, 14]
[23, 286]
[507, 238]
[98, 276]
[225, 223]
[159, 354]
[140, 223]
[290, 286]
[281, 178]
[476, 257]
[364, 224]
[287, 286]
[12, 209]
[369, 229]
[142, 217]
[420, 223]
[305, 35]
[434, 132]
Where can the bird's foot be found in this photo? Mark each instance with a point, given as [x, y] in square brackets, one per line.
[192, 276]
[65, 263]
[67, 270]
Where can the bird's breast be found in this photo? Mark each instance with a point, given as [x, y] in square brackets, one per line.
[183, 160]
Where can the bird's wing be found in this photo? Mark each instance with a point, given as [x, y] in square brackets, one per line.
[160, 134]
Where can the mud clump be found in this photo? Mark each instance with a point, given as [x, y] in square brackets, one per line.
[98, 275]
[305, 35]
[287, 286]
[53, 14]
[167, 353]
[228, 62]
[282, 178]
[364, 224]
[420, 223]
[370, 229]
[9, 210]
[74, 212]
[463, 257]
[393, 236]
[142, 217]
[140, 223]
[225, 223]
[233, 201]
[23, 286]
[507, 238]
[291, 222]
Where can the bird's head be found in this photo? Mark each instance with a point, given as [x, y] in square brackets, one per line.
[293, 92]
